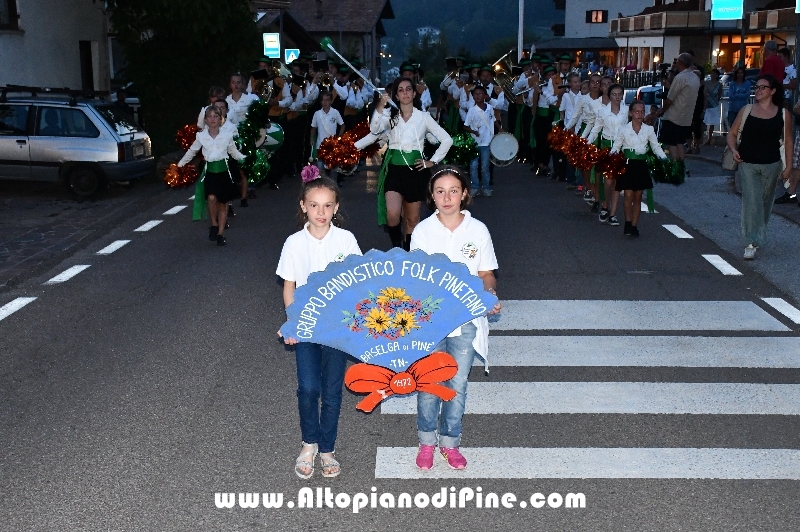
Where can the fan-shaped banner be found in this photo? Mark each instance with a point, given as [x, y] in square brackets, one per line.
[387, 308]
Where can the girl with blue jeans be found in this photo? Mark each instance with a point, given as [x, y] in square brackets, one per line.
[320, 369]
[453, 231]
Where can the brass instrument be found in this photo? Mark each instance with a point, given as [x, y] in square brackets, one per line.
[326, 80]
[263, 89]
[503, 77]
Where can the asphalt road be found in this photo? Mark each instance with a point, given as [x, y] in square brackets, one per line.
[152, 380]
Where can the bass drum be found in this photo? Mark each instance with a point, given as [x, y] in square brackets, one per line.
[503, 149]
[270, 138]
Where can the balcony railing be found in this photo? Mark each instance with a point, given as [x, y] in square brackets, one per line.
[661, 21]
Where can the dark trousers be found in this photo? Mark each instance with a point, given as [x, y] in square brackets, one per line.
[525, 150]
[541, 127]
[294, 135]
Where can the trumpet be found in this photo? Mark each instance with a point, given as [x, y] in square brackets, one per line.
[326, 80]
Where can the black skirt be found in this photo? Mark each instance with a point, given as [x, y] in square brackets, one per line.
[636, 177]
[220, 185]
[410, 183]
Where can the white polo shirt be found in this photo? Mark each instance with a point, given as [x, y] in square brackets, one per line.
[470, 244]
[304, 254]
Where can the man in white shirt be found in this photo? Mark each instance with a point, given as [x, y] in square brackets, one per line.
[480, 123]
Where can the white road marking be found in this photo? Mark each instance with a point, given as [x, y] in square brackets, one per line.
[645, 209]
[111, 248]
[190, 199]
[644, 351]
[598, 462]
[720, 264]
[68, 274]
[783, 307]
[149, 225]
[620, 398]
[13, 306]
[635, 315]
[677, 231]
[175, 210]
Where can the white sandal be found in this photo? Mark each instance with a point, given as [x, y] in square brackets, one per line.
[303, 462]
[330, 462]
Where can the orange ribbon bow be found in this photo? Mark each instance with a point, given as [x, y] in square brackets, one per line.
[424, 375]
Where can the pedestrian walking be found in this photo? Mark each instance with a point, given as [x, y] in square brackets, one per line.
[678, 108]
[763, 151]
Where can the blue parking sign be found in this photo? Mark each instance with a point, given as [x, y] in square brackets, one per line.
[272, 45]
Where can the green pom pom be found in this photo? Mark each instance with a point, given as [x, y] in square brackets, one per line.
[463, 150]
[260, 167]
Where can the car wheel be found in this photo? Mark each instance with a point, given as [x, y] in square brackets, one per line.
[84, 182]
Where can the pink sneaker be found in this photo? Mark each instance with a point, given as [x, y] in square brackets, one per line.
[454, 458]
[425, 456]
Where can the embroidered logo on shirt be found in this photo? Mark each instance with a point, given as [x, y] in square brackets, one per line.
[339, 258]
[469, 250]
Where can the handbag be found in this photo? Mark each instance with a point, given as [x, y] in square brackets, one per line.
[728, 162]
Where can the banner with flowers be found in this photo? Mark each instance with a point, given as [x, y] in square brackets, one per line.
[388, 309]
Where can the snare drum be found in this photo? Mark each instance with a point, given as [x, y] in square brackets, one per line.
[503, 149]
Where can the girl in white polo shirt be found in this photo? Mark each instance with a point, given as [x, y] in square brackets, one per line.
[453, 231]
[320, 369]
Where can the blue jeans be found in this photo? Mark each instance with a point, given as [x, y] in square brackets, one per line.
[320, 375]
[758, 194]
[449, 423]
[483, 157]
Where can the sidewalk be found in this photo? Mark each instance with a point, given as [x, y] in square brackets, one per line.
[40, 223]
[713, 154]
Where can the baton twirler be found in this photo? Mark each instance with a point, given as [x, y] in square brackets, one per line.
[327, 44]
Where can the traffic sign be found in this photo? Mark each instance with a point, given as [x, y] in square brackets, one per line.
[290, 54]
[272, 45]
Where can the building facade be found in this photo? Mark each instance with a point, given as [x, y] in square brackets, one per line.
[589, 18]
[54, 43]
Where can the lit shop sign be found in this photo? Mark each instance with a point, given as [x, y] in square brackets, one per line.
[727, 9]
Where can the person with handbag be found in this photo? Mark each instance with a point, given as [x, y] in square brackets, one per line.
[760, 140]
[790, 196]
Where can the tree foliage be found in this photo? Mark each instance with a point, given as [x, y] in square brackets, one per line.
[429, 53]
[176, 49]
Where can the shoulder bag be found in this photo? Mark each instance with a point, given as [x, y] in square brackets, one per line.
[728, 162]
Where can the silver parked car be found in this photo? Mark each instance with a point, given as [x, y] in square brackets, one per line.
[83, 142]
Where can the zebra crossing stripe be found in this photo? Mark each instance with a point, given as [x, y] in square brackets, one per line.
[644, 351]
[620, 398]
[522, 315]
[594, 462]
[722, 265]
[783, 307]
[11, 307]
[677, 231]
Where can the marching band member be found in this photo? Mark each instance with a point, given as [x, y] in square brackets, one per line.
[296, 120]
[325, 123]
[238, 100]
[543, 122]
[403, 182]
[480, 123]
[214, 94]
[583, 120]
[633, 140]
[354, 103]
[609, 120]
[570, 105]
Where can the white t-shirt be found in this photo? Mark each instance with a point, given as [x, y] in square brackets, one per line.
[327, 124]
[304, 254]
[789, 73]
[470, 244]
[484, 126]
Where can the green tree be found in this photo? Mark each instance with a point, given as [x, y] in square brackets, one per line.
[176, 49]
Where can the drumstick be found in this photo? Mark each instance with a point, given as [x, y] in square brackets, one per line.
[327, 44]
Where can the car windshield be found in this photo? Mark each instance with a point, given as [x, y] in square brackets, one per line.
[118, 118]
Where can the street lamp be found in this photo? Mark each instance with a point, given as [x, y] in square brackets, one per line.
[655, 63]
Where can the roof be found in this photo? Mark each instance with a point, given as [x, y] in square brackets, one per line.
[350, 16]
[293, 29]
[583, 43]
[680, 5]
